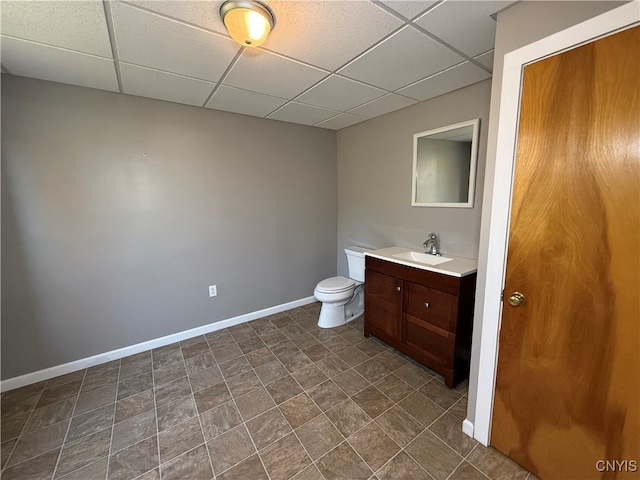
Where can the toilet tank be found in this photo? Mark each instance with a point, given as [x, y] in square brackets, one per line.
[355, 259]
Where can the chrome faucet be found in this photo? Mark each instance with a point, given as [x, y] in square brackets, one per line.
[431, 244]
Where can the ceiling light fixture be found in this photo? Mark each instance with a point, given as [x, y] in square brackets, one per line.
[248, 21]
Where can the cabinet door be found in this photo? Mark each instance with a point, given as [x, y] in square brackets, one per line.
[383, 305]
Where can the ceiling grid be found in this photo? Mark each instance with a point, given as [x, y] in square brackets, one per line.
[329, 63]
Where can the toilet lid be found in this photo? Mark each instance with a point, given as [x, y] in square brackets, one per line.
[335, 285]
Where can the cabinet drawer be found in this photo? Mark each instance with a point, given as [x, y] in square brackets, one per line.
[435, 343]
[432, 306]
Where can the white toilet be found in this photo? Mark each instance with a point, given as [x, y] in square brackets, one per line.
[343, 298]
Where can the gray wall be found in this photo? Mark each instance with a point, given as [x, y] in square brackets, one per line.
[118, 212]
[520, 25]
[374, 178]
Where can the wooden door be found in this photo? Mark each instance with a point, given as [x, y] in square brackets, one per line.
[567, 389]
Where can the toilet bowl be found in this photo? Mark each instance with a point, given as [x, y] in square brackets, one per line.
[343, 298]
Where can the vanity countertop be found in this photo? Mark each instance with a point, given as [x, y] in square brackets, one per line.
[456, 267]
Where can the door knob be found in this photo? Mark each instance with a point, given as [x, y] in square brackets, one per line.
[397, 289]
[516, 299]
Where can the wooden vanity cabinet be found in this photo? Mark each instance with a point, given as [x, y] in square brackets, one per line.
[425, 315]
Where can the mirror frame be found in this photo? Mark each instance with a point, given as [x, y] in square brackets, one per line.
[475, 123]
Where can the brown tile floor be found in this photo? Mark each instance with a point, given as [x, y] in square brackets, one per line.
[276, 398]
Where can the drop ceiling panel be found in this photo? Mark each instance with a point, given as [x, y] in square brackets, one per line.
[153, 41]
[409, 9]
[236, 100]
[58, 65]
[304, 114]
[465, 25]
[146, 82]
[271, 74]
[486, 59]
[339, 93]
[327, 33]
[404, 58]
[202, 14]
[457, 77]
[382, 105]
[79, 26]
[341, 121]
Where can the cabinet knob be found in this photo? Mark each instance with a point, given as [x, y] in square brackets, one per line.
[397, 289]
[426, 304]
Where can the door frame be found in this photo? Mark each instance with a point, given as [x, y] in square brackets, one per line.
[621, 18]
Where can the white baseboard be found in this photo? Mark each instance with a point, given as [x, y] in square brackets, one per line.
[81, 364]
[467, 428]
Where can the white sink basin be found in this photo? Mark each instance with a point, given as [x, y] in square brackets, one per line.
[452, 266]
[425, 258]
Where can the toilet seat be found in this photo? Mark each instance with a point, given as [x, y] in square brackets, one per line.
[335, 285]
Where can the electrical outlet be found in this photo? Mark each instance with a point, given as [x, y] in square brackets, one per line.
[213, 291]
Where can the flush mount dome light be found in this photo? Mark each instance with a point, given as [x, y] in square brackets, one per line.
[248, 21]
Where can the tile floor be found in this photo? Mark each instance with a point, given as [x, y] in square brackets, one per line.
[276, 398]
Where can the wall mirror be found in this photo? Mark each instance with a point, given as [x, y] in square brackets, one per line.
[444, 166]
